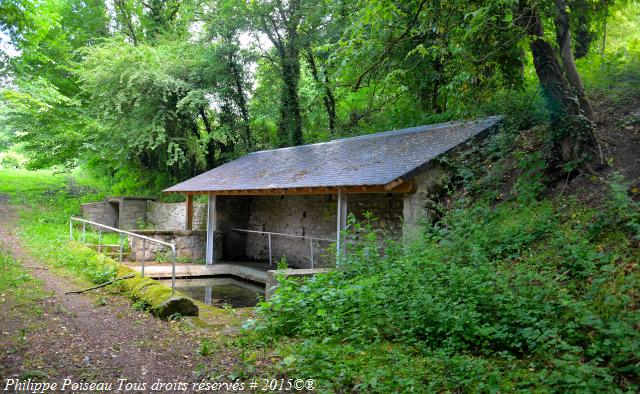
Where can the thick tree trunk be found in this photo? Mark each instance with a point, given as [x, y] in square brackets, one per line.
[604, 28]
[328, 98]
[241, 100]
[290, 126]
[291, 120]
[563, 36]
[583, 38]
[212, 144]
[573, 140]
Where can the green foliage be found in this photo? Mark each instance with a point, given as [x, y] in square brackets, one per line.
[138, 100]
[43, 107]
[207, 347]
[141, 305]
[153, 92]
[531, 182]
[503, 298]
[11, 160]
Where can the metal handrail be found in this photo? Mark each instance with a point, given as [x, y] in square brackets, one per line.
[270, 233]
[142, 237]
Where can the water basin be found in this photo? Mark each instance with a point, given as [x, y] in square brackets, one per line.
[219, 291]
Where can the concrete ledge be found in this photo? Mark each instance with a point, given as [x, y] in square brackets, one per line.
[252, 272]
[272, 281]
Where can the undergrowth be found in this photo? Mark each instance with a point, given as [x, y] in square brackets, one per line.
[526, 295]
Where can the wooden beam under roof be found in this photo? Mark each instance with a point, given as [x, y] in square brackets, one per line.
[402, 187]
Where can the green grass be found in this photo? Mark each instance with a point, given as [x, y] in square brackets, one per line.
[26, 186]
[22, 289]
[22, 299]
[46, 201]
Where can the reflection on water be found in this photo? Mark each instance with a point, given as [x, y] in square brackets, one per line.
[219, 291]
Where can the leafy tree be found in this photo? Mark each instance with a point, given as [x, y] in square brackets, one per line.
[172, 107]
[281, 21]
[573, 139]
[43, 107]
[466, 49]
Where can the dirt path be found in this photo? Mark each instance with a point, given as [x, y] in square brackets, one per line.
[96, 336]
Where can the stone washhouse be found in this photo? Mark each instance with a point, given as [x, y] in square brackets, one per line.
[293, 202]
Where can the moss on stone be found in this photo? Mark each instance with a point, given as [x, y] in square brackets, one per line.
[161, 300]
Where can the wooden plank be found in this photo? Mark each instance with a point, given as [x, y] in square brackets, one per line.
[189, 224]
[394, 184]
[404, 187]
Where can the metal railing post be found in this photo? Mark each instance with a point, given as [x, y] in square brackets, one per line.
[303, 237]
[121, 247]
[173, 268]
[270, 261]
[144, 255]
[134, 238]
[99, 239]
[84, 231]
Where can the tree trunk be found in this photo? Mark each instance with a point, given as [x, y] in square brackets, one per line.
[604, 29]
[572, 133]
[563, 36]
[124, 18]
[212, 144]
[241, 99]
[328, 98]
[583, 37]
[290, 126]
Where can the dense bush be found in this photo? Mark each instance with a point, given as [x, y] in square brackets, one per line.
[525, 295]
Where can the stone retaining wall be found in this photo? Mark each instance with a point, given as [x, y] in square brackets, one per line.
[173, 216]
[132, 213]
[190, 245]
[102, 212]
[120, 212]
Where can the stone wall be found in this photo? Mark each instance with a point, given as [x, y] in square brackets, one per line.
[190, 245]
[314, 216]
[173, 216]
[416, 205]
[132, 213]
[119, 212]
[102, 212]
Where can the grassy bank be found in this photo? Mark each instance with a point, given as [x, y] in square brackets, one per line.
[533, 295]
[46, 201]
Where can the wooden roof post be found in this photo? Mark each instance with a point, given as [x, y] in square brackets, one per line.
[211, 229]
[189, 207]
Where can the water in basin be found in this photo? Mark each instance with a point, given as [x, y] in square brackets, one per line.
[219, 291]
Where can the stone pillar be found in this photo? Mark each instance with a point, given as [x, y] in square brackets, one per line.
[211, 229]
[415, 210]
[341, 223]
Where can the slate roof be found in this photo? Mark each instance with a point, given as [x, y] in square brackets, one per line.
[368, 160]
